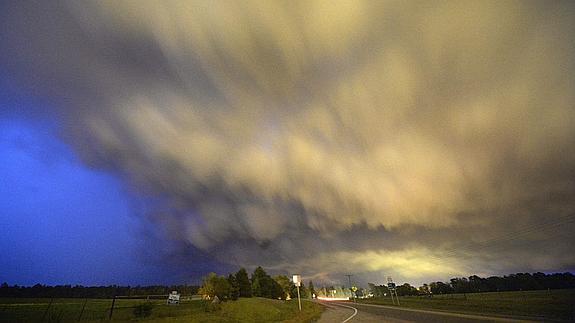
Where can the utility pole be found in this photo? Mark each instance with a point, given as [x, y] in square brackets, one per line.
[350, 287]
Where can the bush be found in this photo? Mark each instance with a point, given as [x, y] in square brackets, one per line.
[144, 309]
[214, 285]
[210, 306]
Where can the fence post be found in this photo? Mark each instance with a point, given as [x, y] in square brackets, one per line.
[112, 308]
[60, 315]
[82, 311]
[47, 308]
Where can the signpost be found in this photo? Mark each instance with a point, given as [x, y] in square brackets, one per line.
[174, 298]
[392, 289]
[297, 282]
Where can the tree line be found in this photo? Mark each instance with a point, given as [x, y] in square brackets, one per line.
[476, 284]
[260, 284]
[78, 291]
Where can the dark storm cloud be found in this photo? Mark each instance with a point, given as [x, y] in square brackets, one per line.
[416, 139]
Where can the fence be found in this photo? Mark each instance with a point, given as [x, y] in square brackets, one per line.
[75, 309]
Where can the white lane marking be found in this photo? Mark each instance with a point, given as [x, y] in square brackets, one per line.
[352, 315]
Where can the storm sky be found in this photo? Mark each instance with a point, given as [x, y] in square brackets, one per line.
[418, 140]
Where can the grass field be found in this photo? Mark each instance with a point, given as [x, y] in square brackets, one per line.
[554, 304]
[70, 310]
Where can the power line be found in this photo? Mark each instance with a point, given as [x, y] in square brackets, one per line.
[551, 224]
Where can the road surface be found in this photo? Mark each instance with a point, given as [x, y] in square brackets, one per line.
[348, 312]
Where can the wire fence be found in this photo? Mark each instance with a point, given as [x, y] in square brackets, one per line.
[76, 309]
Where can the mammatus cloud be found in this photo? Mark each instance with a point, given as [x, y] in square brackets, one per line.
[312, 132]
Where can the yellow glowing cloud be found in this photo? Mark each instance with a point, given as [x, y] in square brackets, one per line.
[411, 263]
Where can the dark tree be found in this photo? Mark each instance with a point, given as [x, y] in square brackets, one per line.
[234, 287]
[265, 286]
[406, 290]
[440, 288]
[244, 285]
[311, 289]
[460, 285]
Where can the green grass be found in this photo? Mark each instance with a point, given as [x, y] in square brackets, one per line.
[242, 310]
[554, 304]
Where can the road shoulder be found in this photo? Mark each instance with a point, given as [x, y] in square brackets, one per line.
[466, 316]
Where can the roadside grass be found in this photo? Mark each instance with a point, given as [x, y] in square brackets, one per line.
[261, 309]
[553, 304]
[252, 310]
[96, 310]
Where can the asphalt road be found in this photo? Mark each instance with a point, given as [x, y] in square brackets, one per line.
[354, 312]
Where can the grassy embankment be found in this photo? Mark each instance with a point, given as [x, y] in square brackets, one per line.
[554, 304]
[242, 310]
